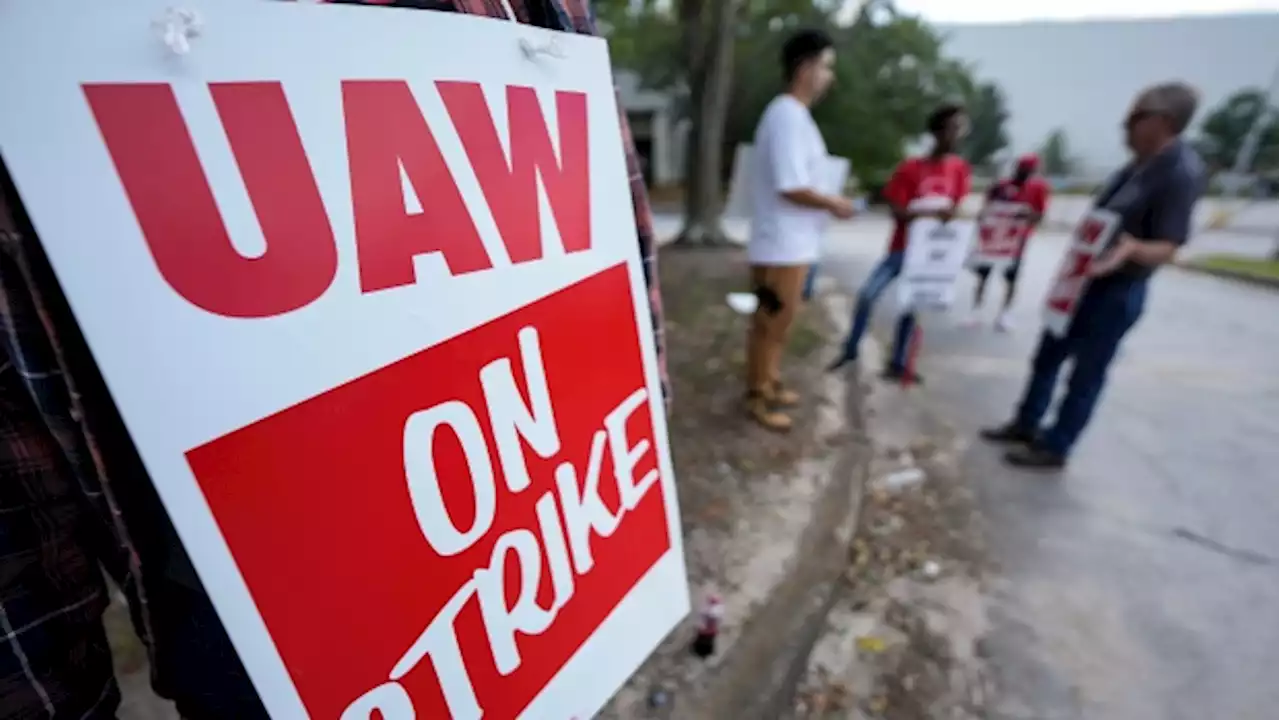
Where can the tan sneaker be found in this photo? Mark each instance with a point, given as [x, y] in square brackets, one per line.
[781, 396]
[759, 410]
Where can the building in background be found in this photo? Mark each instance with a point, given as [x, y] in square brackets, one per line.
[659, 138]
[1079, 76]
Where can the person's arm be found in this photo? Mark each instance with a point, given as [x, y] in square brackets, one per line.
[959, 191]
[900, 191]
[792, 176]
[1039, 203]
[1171, 228]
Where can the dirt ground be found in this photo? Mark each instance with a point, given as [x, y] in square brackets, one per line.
[906, 641]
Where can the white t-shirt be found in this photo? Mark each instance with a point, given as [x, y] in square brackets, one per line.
[789, 154]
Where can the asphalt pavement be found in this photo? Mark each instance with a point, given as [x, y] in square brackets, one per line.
[1141, 582]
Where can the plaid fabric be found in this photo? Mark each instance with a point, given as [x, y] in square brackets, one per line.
[54, 657]
[57, 523]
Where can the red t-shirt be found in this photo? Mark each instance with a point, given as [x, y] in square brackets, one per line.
[1034, 192]
[921, 177]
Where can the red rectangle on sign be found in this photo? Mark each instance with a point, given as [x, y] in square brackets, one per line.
[398, 501]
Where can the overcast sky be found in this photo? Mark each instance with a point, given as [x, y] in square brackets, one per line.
[981, 11]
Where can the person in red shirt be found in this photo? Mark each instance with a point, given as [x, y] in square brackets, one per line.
[1031, 192]
[932, 185]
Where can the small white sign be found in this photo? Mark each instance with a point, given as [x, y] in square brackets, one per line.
[833, 177]
[935, 255]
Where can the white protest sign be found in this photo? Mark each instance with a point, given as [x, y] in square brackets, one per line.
[1091, 236]
[1002, 226]
[935, 255]
[738, 205]
[364, 284]
[833, 175]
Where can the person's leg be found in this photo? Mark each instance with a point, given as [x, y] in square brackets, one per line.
[787, 284]
[1011, 283]
[972, 317]
[780, 290]
[876, 282]
[1050, 354]
[980, 289]
[1096, 349]
[1025, 426]
[902, 337]
[756, 332]
[197, 668]
[55, 660]
[1004, 321]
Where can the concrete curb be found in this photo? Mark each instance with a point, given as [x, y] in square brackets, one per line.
[788, 565]
[1191, 266]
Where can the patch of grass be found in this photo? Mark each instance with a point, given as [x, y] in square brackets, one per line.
[1235, 265]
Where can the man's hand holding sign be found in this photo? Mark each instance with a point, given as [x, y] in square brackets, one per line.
[365, 287]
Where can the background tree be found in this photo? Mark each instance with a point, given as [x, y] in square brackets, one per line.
[709, 29]
[1224, 130]
[890, 74]
[723, 58]
[1055, 155]
[987, 136]
[643, 39]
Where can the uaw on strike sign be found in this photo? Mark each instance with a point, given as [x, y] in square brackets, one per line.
[1002, 229]
[364, 284]
[1092, 235]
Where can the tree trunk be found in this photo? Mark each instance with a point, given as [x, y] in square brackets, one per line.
[709, 39]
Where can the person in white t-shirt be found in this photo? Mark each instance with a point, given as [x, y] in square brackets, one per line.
[789, 214]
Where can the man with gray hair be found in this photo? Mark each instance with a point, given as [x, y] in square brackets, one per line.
[1153, 197]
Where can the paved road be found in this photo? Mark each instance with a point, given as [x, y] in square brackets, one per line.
[1142, 581]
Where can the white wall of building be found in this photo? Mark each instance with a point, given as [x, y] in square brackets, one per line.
[1081, 75]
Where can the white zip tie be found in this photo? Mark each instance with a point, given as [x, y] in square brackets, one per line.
[177, 28]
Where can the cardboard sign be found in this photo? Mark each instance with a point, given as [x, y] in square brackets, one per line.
[1090, 237]
[832, 178]
[1002, 228]
[935, 255]
[364, 284]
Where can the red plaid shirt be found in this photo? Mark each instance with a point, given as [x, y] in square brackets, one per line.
[68, 466]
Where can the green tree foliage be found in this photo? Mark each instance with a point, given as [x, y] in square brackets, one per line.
[987, 136]
[890, 74]
[1223, 132]
[1055, 155]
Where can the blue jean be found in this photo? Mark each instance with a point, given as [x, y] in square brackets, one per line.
[809, 281]
[883, 274]
[1106, 312]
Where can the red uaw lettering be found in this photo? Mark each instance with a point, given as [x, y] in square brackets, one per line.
[386, 132]
[148, 141]
[1090, 232]
[511, 187]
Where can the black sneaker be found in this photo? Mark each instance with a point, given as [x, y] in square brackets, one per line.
[1009, 433]
[896, 375]
[841, 362]
[1034, 457]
